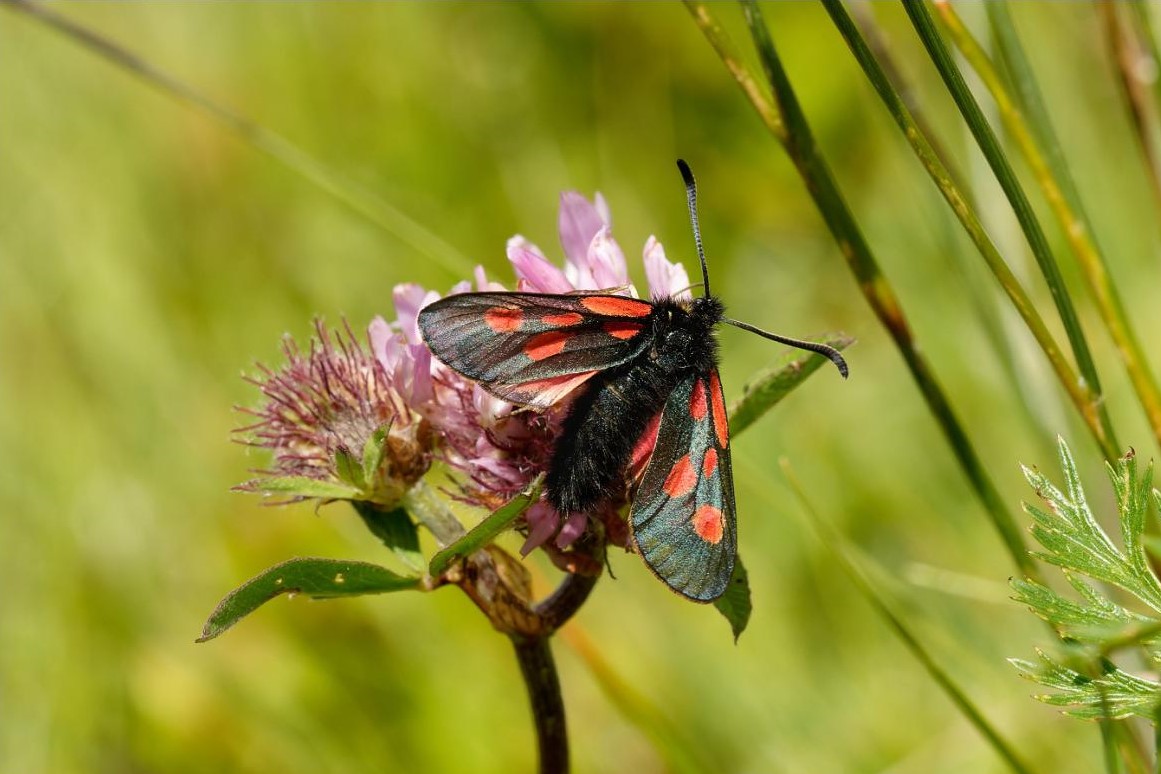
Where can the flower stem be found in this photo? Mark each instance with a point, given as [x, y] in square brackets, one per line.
[534, 654]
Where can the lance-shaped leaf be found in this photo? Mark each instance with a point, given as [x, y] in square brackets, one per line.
[319, 578]
[770, 386]
[486, 531]
[735, 604]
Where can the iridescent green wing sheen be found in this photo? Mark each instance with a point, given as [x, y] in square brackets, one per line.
[534, 348]
[683, 516]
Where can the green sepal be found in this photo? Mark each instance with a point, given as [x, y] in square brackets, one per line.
[487, 530]
[735, 603]
[320, 578]
[373, 451]
[350, 470]
[397, 531]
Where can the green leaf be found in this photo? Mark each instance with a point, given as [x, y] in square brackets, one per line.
[350, 470]
[486, 531]
[735, 603]
[771, 385]
[397, 531]
[320, 578]
[301, 486]
[1113, 695]
[1073, 539]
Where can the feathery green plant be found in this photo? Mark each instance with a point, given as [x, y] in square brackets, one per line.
[1095, 625]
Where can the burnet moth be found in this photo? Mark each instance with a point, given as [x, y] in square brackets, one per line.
[651, 406]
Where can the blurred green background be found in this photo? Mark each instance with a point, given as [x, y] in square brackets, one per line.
[148, 257]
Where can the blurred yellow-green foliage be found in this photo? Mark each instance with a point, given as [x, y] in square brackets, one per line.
[148, 257]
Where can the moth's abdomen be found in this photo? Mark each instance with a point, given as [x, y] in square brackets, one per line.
[599, 433]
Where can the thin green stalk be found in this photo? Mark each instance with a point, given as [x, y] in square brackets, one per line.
[883, 54]
[925, 26]
[1157, 741]
[359, 199]
[1037, 140]
[1082, 397]
[1128, 59]
[788, 124]
[835, 544]
[1051, 172]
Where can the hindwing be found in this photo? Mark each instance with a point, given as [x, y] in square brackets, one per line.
[683, 516]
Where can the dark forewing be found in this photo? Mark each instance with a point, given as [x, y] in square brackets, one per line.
[534, 348]
[683, 516]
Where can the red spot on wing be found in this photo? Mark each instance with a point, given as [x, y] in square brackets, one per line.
[546, 344]
[682, 478]
[721, 423]
[710, 463]
[643, 449]
[697, 405]
[562, 320]
[503, 320]
[546, 392]
[622, 330]
[617, 306]
[708, 524]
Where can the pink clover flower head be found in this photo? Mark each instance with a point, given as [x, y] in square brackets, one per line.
[327, 404]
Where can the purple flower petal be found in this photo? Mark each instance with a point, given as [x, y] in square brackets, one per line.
[579, 222]
[574, 527]
[483, 285]
[603, 209]
[420, 388]
[543, 521]
[534, 270]
[607, 261]
[381, 337]
[409, 299]
[665, 278]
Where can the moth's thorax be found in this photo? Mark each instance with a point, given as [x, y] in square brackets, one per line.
[683, 333]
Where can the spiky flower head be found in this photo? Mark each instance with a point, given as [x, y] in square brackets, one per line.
[340, 420]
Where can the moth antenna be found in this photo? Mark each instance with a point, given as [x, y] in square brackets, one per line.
[691, 199]
[825, 350]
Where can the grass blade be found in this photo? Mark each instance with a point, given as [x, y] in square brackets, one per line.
[844, 556]
[359, 199]
[1130, 59]
[1036, 138]
[1082, 397]
[924, 25]
[786, 121]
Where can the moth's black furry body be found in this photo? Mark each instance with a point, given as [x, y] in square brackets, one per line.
[606, 421]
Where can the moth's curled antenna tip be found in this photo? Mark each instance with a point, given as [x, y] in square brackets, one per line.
[840, 364]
